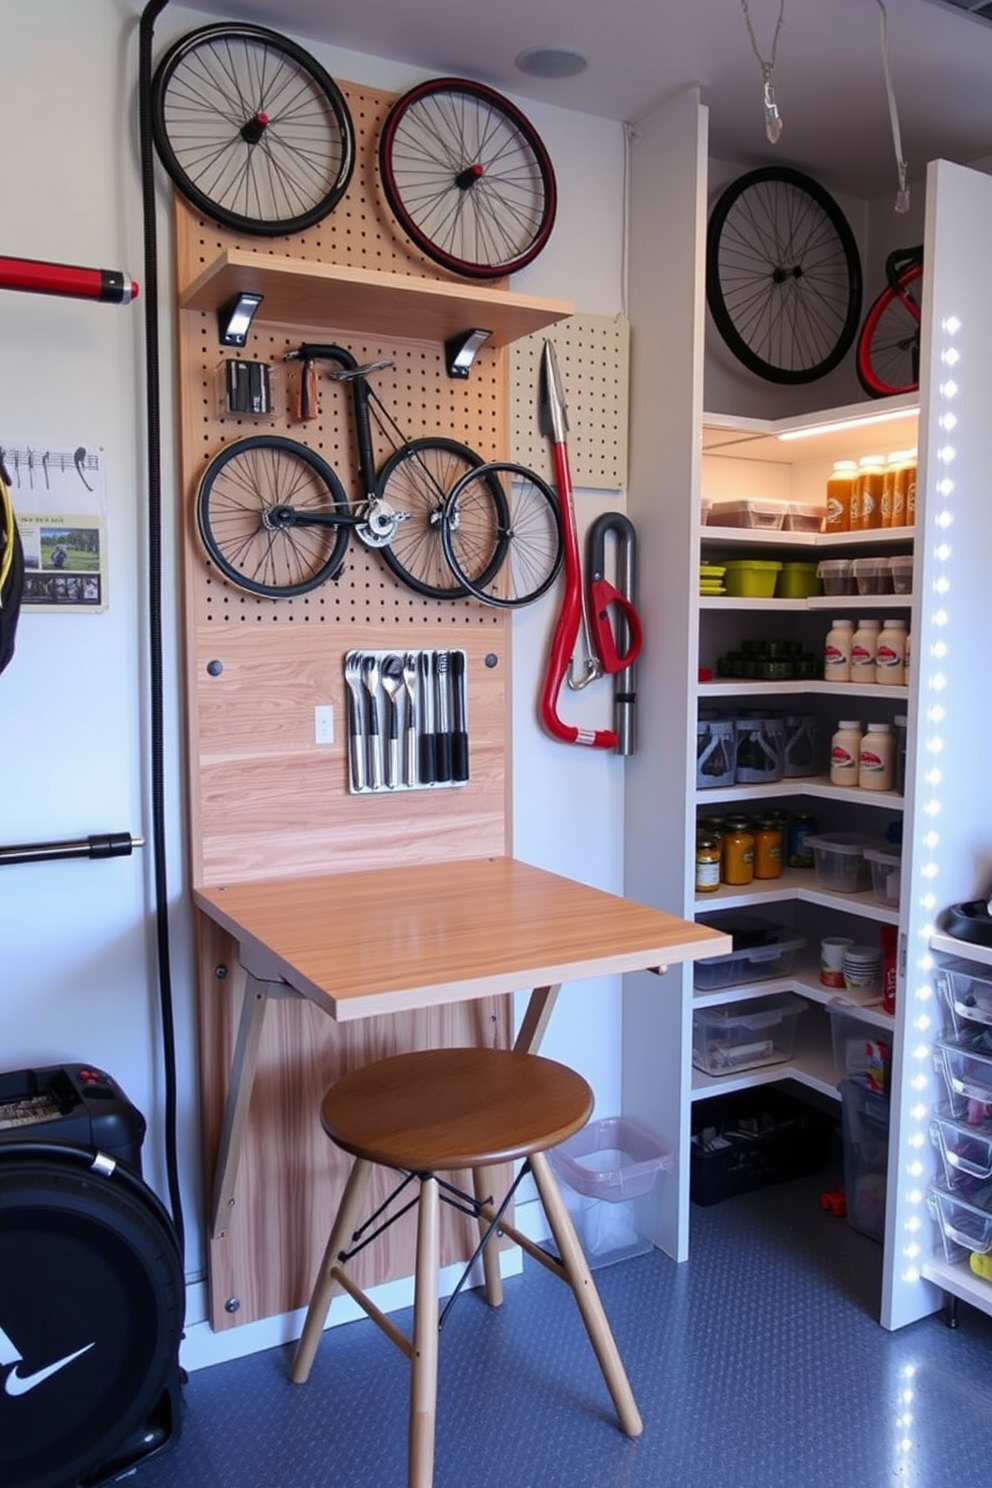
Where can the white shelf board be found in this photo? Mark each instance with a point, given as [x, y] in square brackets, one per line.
[742, 687]
[759, 439]
[815, 786]
[960, 1281]
[950, 945]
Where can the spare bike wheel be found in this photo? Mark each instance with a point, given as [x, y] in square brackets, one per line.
[783, 275]
[252, 130]
[91, 1313]
[467, 177]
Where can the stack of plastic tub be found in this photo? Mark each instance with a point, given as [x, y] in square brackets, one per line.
[961, 1198]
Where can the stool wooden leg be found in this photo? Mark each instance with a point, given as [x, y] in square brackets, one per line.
[423, 1378]
[586, 1295]
[342, 1230]
[482, 1183]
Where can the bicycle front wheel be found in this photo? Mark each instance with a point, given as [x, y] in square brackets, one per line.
[783, 275]
[416, 481]
[530, 541]
[266, 513]
[889, 344]
[252, 130]
[467, 177]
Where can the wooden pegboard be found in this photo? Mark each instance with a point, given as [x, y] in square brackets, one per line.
[593, 353]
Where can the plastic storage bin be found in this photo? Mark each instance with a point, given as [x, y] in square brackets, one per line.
[965, 1147]
[886, 874]
[835, 575]
[839, 861]
[872, 575]
[901, 570]
[966, 992]
[751, 578]
[798, 581]
[865, 1118]
[862, 1049]
[762, 950]
[745, 1035]
[609, 1174]
[763, 515]
[800, 518]
[965, 1220]
[965, 1062]
[751, 1138]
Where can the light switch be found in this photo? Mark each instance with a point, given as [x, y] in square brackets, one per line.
[323, 724]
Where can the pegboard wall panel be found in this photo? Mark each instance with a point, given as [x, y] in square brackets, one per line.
[593, 353]
[265, 797]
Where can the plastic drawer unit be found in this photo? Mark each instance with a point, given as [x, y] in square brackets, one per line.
[966, 992]
[745, 1035]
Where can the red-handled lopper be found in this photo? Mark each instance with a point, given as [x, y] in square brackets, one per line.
[573, 615]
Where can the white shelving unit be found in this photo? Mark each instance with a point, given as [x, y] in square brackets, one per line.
[947, 843]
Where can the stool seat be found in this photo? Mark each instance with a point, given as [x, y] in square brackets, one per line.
[441, 1109]
[436, 1111]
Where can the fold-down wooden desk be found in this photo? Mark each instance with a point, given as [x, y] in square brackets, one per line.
[392, 940]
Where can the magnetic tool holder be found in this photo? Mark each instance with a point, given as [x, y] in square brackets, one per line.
[407, 720]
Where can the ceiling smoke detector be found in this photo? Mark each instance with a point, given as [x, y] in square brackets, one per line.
[552, 62]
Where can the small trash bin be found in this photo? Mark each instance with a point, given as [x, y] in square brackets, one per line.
[609, 1180]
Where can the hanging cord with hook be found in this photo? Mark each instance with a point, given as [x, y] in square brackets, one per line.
[902, 195]
[773, 119]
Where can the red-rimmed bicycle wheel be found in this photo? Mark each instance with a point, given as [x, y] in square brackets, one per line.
[889, 344]
[467, 177]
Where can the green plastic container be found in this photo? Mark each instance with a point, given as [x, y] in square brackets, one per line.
[751, 578]
[797, 581]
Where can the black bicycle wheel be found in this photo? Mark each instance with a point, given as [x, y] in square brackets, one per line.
[268, 512]
[467, 177]
[416, 482]
[531, 541]
[251, 129]
[783, 275]
[889, 344]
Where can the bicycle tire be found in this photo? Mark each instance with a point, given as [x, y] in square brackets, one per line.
[783, 275]
[416, 480]
[888, 358]
[251, 129]
[247, 510]
[467, 178]
[531, 542]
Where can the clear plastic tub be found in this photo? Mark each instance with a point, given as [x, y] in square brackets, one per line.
[965, 1147]
[839, 861]
[965, 1223]
[835, 575]
[753, 963]
[967, 994]
[967, 1070]
[872, 575]
[765, 516]
[862, 1049]
[886, 874]
[865, 1121]
[800, 518]
[609, 1175]
[745, 1035]
[901, 569]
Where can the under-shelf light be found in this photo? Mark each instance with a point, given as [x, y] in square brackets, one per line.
[840, 426]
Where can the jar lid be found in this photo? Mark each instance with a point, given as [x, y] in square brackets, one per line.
[849, 723]
[845, 464]
[894, 624]
[841, 621]
[869, 624]
[879, 728]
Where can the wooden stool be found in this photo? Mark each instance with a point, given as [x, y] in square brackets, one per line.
[436, 1111]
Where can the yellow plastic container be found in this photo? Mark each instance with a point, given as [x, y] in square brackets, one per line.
[751, 578]
[797, 581]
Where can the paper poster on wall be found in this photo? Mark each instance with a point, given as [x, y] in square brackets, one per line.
[60, 504]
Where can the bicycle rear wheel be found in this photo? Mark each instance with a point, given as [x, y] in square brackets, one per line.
[530, 541]
[416, 481]
[467, 177]
[783, 275]
[266, 511]
[889, 344]
[251, 129]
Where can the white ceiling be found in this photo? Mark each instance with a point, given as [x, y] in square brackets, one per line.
[829, 80]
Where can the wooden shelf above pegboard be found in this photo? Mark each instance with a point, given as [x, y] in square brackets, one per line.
[305, 293]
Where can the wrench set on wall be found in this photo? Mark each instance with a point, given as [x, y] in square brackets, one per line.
[407, 720]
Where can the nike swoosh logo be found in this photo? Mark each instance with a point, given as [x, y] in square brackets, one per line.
[17, 1384]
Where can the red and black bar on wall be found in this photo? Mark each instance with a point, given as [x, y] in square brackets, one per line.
[112, 286]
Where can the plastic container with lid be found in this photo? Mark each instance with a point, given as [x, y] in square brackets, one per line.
[845, 752]
[797, 580]
[872, 575]
[837, 651]
[901, 572]
[745, 1035]
[886, 874]
[760, 757]
[715, 749]
[890, 654]
[835, 575]
[801, 752]
[863, 646]
[840, 485]
[877, 758]
[871, 478]
[839, 861]
[764, 516]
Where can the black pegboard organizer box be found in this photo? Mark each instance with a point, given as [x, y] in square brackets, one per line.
[92, 1291]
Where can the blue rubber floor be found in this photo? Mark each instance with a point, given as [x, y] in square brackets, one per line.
[756, 1364]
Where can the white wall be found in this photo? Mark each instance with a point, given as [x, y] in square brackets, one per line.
[78, 945]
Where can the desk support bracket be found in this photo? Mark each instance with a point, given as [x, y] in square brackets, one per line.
[535, 1020]
[256, 998]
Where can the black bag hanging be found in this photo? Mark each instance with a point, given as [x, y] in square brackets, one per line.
[11, 572]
